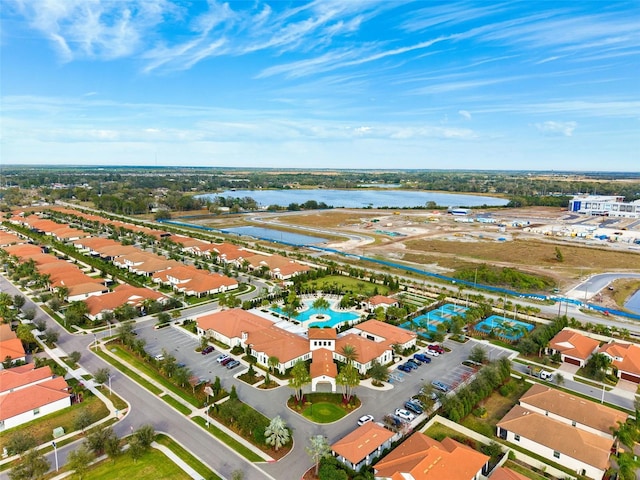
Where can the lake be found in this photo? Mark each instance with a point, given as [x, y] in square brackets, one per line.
[361, 198]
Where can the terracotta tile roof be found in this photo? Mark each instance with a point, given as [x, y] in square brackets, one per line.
[23, 250]
[576, 443]
[22, 376]
[503, 473]
[262, 334]
[9, 239]
[121, 294]
[11, 348]
[6, 333]
[188, 241]
[229, 251]
[203, 283]
[629, 353]
[382, 300]
[322, 364]
[426, 459]
[93, 243]
[361, 442]
[116, 250]
[44, 259]
[585, 412]
[35, 396]
[573, 344]
[366, 349]
[390, 333]
[315, 333]
[152, 265]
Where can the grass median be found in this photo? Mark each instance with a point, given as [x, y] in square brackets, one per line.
[229, 441]
[186, 457]
[129, 373]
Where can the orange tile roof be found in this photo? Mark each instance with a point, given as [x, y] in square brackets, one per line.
[230, 251]
[426, 459]
[35, 396]
[574, 442]
[315, 333]
[366, 349]
[231, 323]
[382, 300]
[585, 412]
[23, 250]
[22, 376]
[121, 294]
[6, 333]
[390, 333]
[203, 283]
[573, 344]
[12, 348]
[361, 442]
[629, 353]
[503, 473]
[322, 364]
[94, 243]
[9, 238]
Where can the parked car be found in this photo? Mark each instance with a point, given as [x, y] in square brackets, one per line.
[405, 368]
[222, 357]
[414, 363]
[422, 357]
[433, 353]
[436, 348]
[226, 361]
[413, 407]
[440, 386]
[181, 364]
[415, 360]
[412, 366]
[365, 419]
[207, 350]
[232, 364]
[159, 357]
[404, 414]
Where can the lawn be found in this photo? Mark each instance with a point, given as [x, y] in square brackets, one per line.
[152, 466]
[497, 407]
[323, 412]
[348, 284]
[41, 429]
[228, 440]
[523, 470]
[323, 407]
[190, 460]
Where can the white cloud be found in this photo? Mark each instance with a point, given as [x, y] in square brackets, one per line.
[465, 114]
[552, 128]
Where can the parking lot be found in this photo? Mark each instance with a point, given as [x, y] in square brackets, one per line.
[182, 345]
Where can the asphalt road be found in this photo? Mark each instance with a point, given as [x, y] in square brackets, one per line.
[590, 287]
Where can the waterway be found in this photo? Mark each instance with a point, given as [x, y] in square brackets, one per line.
[362, 198]
[275, 235]
[633, 303]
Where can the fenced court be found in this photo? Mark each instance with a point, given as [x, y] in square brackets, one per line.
[430, 320]
[508, 328]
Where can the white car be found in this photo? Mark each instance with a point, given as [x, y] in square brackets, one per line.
[433, 353]
[222, 357]
[365, 419]
[404, 414]
[159, 357]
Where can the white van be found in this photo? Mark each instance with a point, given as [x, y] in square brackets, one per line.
[546, 375]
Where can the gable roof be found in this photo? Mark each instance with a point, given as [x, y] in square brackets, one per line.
[32, 397]
[504, 473]
[366, 350]
[6, 333]
[22, 376]
[322, 364]
[573, 344]
[361, 442]
[382, 300]
[427, 459]
[391, 333]
[315, 333]
[576, 443]
[11, 348]
[586, 412]
[121, 294]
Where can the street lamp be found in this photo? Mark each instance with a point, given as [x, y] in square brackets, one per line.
[95, 341]
[206, 412]
[110, 392]
[55, 453]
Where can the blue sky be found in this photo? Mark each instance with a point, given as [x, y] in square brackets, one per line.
[540, 85]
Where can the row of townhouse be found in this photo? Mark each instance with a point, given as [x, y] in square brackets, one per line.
[576, 348]
[28, 393]
[568, 430]
[373, 341]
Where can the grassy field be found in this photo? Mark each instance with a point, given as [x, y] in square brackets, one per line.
[42, 428]
[349, 284]
[519, 252]
[623, 289]
[153, 465]
[228, 440]
[323, 412]
[190, 460]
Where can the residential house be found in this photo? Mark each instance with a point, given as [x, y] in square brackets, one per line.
[27, 393]
[575, 448]
[625, 358]
[503, 473]
[11, 350]
[423, 458]
[380, 301]
[123, 294]
[573, 347]
[363, 445]
[192, 281]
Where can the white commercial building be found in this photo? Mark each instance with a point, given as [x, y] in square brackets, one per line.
[612, 206]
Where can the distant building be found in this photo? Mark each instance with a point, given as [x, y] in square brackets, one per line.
[612, 206]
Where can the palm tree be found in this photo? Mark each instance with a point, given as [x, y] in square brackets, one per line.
[349, 353]
[349, 378]
[277, 434]
[273, 362]
[299, 378]
[321, 303]
[378, 372]
[318, 449]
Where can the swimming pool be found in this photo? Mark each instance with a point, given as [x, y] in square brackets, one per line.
[330, 317]
[504, 327]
